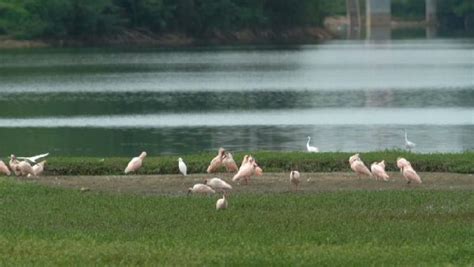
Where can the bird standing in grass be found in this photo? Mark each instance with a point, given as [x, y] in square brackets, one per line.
[218, 184]
[311, 148]
[201, 189]
[248, 168]
[408, 144]
[410, 175]
[135, 163]
[221, 203]
[378, 170]
[38, 169]
[295, 179]
[182, 167]
[229, 162]
[402, 162]
[14, 164]
[358, 166]
[3, 168]
[216, 162]
[25, 169]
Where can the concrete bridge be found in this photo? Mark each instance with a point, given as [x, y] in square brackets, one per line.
[378, 16]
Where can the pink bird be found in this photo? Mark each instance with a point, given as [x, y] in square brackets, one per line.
[410, 175]
[245, 171]
[25, 169]
[229, 163]
[201, 189]
[402, 162]
[354, 158]
[248, 168]
[14, 164]
[216, 162]
[358, 167]
[3, 168]
[135, 163]
[38, 168]
[378, 170]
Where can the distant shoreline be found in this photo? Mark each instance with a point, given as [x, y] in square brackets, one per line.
[300, 35]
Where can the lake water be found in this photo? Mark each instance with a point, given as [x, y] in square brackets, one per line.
[346, 95]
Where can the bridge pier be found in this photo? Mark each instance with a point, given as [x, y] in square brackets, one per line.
[378, 19]
[430, 9]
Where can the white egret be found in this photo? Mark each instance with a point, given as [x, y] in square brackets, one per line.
[311, 148]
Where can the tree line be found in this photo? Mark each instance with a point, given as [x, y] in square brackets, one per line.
[80, 18]
[88, 18]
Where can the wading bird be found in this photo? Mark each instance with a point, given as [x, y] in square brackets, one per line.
[38, 169]
[229, 163]
[408, 144]
[221, 203]
[217, 184]
[14, 164]
[410, 175]
[358, 166]
[378, 170]
[311, 148]
[402, 162]
[182, 167]
[201, 189]
[248, 168]
[216, 162]
[24, 169]
[135, 163]
[3, 168]
[295, 179]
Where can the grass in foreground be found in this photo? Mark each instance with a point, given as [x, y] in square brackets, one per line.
[271, 161]
[45, 226]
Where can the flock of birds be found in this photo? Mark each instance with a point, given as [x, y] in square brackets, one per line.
[249, 168]
[34, 166]
[24, 166]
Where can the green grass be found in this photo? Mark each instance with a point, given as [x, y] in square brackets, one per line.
[270, 161]
[51, 226]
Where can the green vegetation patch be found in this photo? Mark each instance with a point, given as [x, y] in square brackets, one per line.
[270, 161]
[45, 226]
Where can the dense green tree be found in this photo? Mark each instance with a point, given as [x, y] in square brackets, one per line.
[91, 18]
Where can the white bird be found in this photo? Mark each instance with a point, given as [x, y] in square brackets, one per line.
[201, 189]
[217, 183]
[221, 203]
[34, 159]
[311, 148]
[182, 167]
[408, 144]
[135, 163]
[295, 179]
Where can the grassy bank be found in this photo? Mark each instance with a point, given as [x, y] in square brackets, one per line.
[49, 226]
[270, 161]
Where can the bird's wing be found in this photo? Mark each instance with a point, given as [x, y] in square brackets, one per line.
[34, 159]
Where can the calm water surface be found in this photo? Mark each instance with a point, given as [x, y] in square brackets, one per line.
[347, 95]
